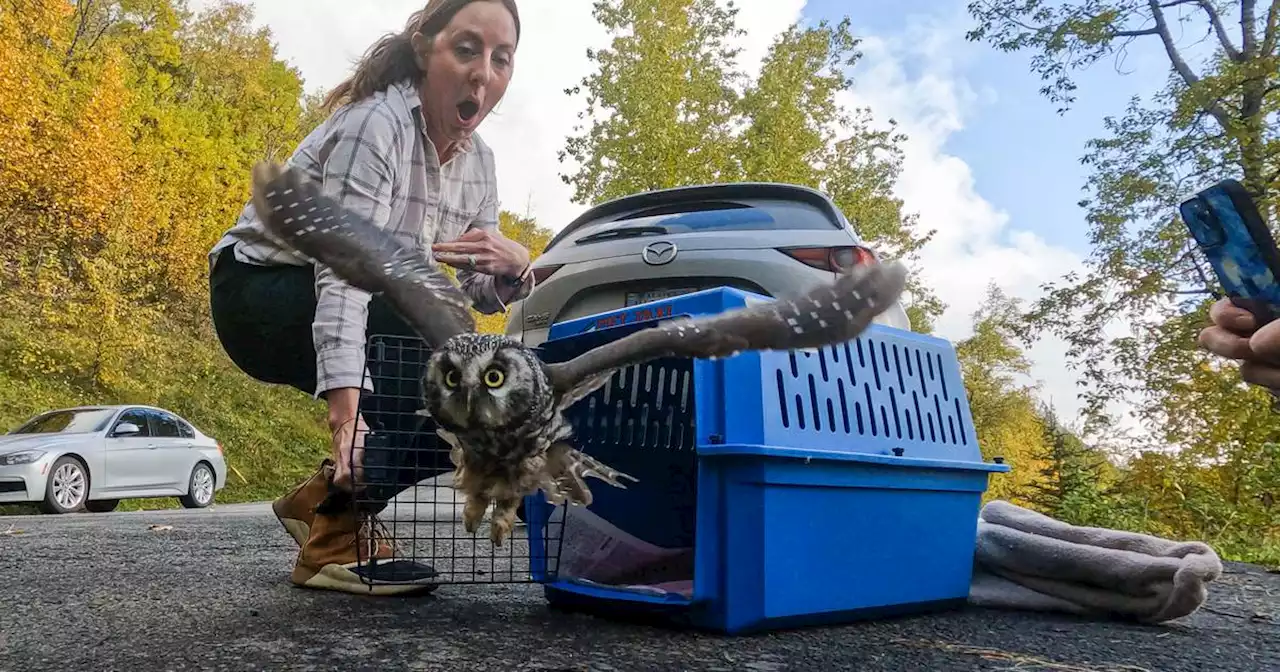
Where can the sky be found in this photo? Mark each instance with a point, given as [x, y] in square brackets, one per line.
[989, 162]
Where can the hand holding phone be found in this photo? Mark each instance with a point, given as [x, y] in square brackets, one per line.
[1229, 229]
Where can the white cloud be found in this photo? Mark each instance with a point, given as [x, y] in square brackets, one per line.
[763, 21]
[975, 243]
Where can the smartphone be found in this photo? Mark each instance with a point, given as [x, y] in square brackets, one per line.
[1226, 224]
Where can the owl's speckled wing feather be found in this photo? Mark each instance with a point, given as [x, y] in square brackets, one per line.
[829, 314]
[294, 210]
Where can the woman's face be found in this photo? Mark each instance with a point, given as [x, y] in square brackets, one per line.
[468, 68]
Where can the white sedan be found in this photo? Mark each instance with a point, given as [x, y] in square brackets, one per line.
[91, 457]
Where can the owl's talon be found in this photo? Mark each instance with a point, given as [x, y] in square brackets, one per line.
[473, 513]
[553, 494]
[504, 519]
[611, 477]
[497, 532]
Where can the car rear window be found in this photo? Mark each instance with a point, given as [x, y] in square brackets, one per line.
[718, 216]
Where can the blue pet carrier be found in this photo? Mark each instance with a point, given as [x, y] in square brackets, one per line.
[774, 489]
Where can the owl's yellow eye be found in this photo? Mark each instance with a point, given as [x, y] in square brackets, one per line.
[451, 379]
[494, 377]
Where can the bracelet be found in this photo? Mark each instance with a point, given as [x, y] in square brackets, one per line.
[519, 279]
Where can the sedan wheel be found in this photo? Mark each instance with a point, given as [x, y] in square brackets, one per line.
[200, 492]
[68, 487]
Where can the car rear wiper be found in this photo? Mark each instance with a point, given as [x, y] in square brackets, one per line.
[625, 232]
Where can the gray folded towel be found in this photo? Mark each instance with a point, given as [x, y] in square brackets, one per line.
[1026, 560]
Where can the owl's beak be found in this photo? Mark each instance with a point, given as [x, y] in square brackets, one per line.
[476, 415]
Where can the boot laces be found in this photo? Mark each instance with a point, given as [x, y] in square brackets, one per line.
[374, 533]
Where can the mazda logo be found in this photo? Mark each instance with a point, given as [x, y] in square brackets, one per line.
[659, 253]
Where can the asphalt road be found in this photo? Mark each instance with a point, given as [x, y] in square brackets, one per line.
[107, 592]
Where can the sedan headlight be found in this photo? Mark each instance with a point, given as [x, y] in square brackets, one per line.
[21, 457]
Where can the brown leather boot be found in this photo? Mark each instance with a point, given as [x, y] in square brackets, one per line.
[354, 553]
[297, 509]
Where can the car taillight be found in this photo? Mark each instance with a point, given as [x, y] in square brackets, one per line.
[541, 273]
[219, 447]
[833, 259]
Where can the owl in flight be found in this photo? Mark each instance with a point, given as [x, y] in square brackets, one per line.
[497, 405]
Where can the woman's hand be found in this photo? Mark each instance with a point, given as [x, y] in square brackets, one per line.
[492, 252]
[348, 431]
[1235, 335]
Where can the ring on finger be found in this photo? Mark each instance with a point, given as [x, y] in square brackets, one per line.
[471, 261]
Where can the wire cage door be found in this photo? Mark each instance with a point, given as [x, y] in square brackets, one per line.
[406, 480]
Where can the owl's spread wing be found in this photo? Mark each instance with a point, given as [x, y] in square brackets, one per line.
[826, 315]
[294, 210]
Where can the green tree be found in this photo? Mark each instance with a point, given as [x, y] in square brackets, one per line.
[1070, 485]
[791, 111]
[796, 131]
[1225, 432]
[232, 103]
[1004, 411]
[1209, 121]
[668, 106]
[663, 90]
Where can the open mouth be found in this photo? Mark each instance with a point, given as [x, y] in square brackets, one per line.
[467, 110]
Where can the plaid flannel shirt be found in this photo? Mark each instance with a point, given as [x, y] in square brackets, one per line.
[375, 159]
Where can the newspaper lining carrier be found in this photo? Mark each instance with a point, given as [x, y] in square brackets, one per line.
[596, 552]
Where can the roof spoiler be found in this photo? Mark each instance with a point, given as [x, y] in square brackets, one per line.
[700, 193]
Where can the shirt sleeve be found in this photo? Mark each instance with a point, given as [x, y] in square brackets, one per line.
[358, 173]
[481, 287]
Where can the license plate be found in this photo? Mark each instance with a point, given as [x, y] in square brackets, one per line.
[636, 298]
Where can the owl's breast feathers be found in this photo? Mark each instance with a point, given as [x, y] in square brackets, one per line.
[517, 441]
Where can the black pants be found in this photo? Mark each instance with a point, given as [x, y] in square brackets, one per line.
[263, 317]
